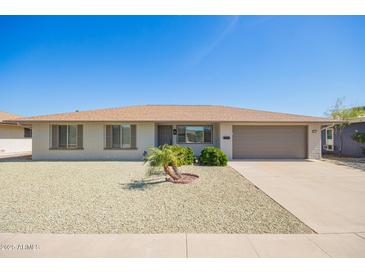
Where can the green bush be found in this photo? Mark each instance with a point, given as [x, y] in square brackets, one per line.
[212, 156]
[359, 137]
[184, 155]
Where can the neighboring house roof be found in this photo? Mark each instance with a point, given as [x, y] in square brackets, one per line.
[8, 116]
[178, 113]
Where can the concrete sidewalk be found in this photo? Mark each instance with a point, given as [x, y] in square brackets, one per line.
[182, 245]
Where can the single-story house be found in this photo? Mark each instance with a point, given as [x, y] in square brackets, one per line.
[125, 133]
[14, 138]
[331, 139]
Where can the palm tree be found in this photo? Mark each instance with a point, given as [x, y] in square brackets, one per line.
[164, 157]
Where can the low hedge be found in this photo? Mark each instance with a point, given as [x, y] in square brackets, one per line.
[212, 156]
[185, 155]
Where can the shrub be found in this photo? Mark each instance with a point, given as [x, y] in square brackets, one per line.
[184, 155]
[212, 156]
[359, 137]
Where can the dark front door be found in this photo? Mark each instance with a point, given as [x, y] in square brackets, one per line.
[164, 135]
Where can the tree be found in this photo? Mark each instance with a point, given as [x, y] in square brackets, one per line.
[167, 157]
[344, 116]
[164, 157]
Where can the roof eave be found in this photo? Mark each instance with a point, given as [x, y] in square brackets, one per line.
[175, 121]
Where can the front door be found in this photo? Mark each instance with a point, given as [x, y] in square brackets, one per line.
[164, 135]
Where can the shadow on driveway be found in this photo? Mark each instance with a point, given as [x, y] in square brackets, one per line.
[27, 158]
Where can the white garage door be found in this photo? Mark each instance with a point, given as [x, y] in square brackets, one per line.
[269, 142]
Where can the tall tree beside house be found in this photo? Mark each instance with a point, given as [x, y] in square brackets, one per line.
[344, 116]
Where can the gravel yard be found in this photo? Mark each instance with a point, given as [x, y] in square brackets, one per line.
[118, 197]
[357, 163]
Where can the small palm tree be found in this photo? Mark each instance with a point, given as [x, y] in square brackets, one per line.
[164, 157]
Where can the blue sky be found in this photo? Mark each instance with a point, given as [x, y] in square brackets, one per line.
[295, 64]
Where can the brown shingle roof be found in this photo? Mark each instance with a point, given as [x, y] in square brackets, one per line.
[177, 113]
[8, 116]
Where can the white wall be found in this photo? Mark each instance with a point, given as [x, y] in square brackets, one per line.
[314, 138]
[226, 144]
[314, 142]
[12, 140]
[94, 143]
[146, 137]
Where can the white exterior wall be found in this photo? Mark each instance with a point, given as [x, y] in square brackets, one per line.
[93, 142]
[226, 145]
[313, 146]
[12, 140]
[314, 142]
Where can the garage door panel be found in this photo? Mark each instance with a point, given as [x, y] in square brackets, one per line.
[269, 142]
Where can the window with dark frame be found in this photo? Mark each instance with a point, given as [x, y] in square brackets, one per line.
[27, 133]
[120, 136]
[126, 136]
[67, 137]
[62, 136]
[194, 134]
[115, 136]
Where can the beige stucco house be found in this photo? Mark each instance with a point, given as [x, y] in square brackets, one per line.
[15, 139]
[125, 133]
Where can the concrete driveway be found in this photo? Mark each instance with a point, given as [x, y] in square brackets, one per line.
[327, 197]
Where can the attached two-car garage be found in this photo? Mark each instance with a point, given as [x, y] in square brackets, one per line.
[269, 142]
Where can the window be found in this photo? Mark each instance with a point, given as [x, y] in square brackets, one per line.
[62, 136]
[120, 136]
[181, 134]
[126, 136]
[27, 133]
[194, 134]
[329, 134]
[67, 137]
[71, 136]
[329, 139]
[115, 136]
